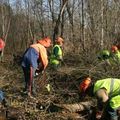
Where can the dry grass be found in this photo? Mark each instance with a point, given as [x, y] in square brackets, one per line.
[64, 88]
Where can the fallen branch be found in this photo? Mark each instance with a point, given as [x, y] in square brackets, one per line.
[77, 107]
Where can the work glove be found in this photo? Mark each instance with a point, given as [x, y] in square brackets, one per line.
[38, 71]
[36, 74]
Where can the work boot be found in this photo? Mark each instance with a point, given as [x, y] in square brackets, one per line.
[34, 93]
[31, 96]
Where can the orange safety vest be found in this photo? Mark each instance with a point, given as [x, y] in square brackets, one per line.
[42, 53]
[2, 44]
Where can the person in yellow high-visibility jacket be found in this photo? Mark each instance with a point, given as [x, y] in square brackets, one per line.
[115, 56]
[111, 57]
[57, 53]
[104, 54]
[107, 92]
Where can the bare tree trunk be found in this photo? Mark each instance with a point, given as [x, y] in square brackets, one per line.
[83, 34]
[102, 23]
[30, 33]
[5, 27]
[56, 29]
[3, 21]
[70, 14]
[3, 31]
[51, 4]
[28, 24]
[62, 24]
[41, 19]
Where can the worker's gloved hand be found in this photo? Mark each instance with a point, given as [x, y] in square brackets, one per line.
[37, 73]
[39, 69]
[98, 115]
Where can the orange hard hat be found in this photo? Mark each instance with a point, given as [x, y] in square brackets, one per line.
[114, 48]
[46, 42]
[2, 44]
[59, 40]
[85, 84]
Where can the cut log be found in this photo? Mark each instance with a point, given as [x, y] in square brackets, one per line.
[3, 115]
[71, 116]
[77, 107]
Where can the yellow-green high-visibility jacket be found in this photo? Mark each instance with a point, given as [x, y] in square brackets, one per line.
[56, 55]
[104, 55]
[112, 86]
[115, 58]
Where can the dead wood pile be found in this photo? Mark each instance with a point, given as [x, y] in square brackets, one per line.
[61, 103]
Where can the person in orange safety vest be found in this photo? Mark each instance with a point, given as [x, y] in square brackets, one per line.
[34, 57]
[2, 45]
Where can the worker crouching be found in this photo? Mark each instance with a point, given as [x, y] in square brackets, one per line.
[107, 92]
[104, 55]
[115, 55]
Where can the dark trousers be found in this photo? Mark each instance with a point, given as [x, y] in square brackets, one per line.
[29, 73]
[110, 113]
[1, 56]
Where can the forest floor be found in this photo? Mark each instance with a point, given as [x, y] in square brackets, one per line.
[64, 89]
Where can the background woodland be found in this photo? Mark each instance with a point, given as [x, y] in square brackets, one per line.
[86, 25]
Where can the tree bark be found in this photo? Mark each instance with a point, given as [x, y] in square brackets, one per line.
[77, 107]
[56, 28]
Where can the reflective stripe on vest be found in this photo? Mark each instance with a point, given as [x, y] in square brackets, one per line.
[106, 83]
[111, 87]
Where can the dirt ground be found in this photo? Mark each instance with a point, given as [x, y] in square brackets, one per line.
[64, 89]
